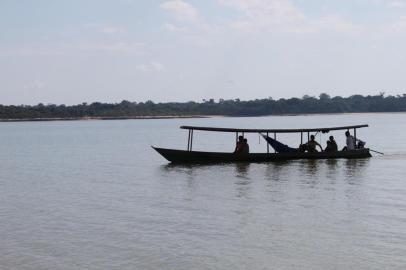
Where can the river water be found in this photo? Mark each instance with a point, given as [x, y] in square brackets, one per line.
[94, 195]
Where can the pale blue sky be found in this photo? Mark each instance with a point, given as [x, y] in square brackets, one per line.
[54, 51]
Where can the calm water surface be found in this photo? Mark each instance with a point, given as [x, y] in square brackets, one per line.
[94, 195]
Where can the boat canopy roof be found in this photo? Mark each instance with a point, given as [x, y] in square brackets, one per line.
[249, 130]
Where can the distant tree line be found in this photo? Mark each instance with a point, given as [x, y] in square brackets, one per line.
[126, 109]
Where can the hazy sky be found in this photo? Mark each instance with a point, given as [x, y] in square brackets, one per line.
[74, 51]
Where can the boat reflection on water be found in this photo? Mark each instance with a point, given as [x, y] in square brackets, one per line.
[279, 170]
[310, 167]
[332, 164]
[243, 180]
[333, 167]
[312, 172]
[241, 169]
[354, 169]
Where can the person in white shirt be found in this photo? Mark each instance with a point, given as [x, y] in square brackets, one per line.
[350, 141]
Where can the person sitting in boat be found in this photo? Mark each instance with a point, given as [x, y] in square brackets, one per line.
[331, 145]
[245, 147]
[351, 142]
[311, 145]
[240, 145]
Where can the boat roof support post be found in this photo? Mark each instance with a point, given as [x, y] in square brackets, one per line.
[188, 139]
[274, 137]
[355, 136]
[267, 144]
[301, 138]
[191, 141]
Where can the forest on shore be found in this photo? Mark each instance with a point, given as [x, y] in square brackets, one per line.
[235, 107]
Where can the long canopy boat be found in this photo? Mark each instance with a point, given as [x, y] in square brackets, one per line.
[281, 151]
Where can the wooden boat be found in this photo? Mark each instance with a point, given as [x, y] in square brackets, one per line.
[190, 156]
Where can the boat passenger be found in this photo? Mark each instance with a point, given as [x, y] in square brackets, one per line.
[351, 142]
[331, 145]
[240, 145]
[245, 147]
[311, 145]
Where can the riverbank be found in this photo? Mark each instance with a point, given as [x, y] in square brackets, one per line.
[179, 116]
[104, 118]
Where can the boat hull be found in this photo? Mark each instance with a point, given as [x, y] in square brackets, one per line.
[183, 156]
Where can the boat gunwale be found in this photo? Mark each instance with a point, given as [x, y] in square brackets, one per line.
[185, 156]
[261, 153]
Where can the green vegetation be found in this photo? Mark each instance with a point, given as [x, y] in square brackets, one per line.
[305, 105]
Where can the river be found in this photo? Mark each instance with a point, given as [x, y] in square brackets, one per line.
[95, 195]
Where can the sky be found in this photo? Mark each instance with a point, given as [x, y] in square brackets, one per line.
[69, 52]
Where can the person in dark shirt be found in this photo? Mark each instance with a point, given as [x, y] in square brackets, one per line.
[311, 145]
[331, 145]
[240, 145]
[245, 147]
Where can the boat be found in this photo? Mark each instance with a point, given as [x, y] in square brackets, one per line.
[190, 156]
